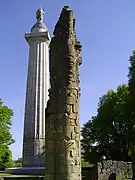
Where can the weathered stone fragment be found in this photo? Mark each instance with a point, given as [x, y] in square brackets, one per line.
[114, 170]
[62, 112]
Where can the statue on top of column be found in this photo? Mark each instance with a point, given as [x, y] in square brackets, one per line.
[39, 14]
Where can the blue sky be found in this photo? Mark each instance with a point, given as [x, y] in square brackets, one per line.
[106, 30]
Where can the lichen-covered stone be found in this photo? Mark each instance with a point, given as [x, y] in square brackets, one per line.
[62, 112]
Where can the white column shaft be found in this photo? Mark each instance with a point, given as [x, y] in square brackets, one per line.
[36, 100]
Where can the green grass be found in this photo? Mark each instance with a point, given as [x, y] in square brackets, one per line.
[4, 174]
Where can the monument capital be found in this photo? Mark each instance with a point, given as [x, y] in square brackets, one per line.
[39, 26]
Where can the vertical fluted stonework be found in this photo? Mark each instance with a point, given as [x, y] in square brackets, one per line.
[36, 94]
[62, 142]
[36, 99]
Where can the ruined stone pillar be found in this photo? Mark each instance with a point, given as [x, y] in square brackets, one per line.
[62, 142]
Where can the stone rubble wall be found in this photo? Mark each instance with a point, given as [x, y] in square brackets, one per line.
[123, 170]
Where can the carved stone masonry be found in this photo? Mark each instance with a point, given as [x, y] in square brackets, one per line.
[62, 148]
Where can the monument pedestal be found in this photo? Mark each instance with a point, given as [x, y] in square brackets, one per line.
[26, 171]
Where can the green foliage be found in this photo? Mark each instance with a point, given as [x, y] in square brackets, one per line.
[18, 162]
[5, 136]
[131, 75]
[17, 165]
[85, 163]
[131, 83]
[109, 133]
[5, 157]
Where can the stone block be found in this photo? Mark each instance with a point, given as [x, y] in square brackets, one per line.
[23, 178]
[72, 115]
[49, 161]
[49, 146]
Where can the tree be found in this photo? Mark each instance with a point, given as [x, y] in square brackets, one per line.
[131, 83]
[109, 133]
[18, 162]
[5, 136]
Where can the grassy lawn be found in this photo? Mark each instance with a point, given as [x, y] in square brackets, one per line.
[4, 174]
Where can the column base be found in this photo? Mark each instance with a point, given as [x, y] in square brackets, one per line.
[26, 171]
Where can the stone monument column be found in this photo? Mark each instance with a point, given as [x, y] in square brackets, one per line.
[36, 94]
[62, 143]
